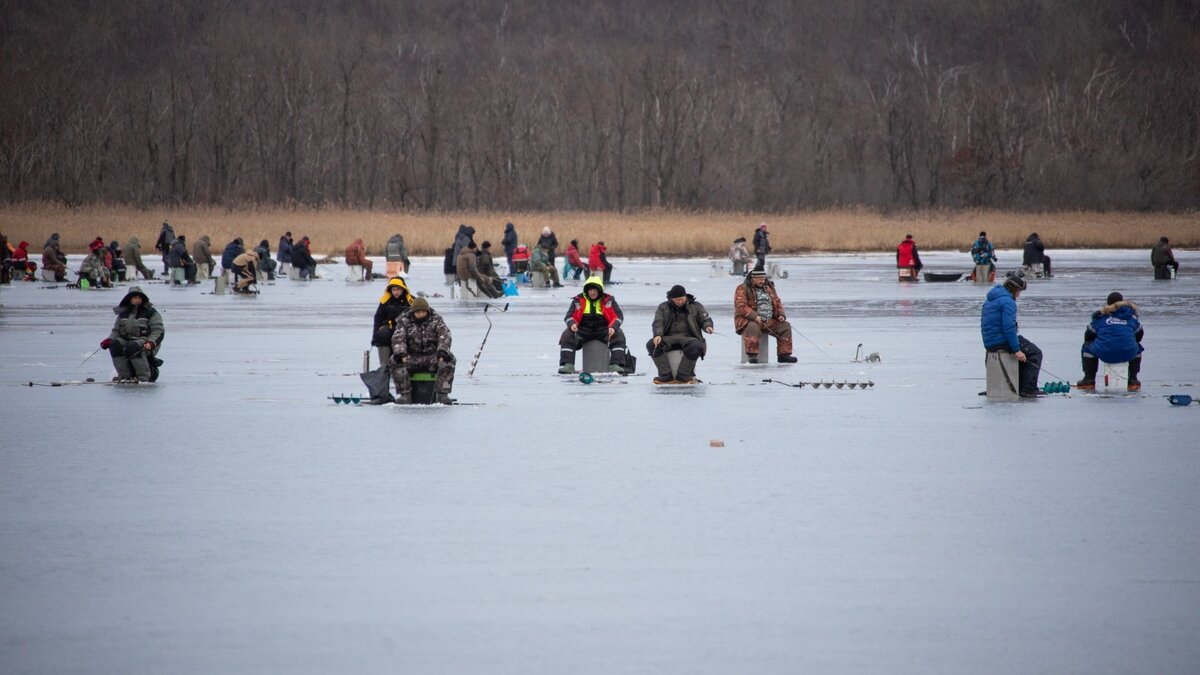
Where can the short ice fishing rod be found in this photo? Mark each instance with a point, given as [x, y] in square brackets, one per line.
[475, 361]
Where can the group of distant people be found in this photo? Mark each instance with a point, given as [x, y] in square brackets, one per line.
[467, 262]
[740, 255]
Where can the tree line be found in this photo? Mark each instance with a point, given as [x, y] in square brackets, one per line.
[772, 105]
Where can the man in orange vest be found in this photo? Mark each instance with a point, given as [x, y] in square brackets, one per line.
[908, 258]
[593, 315]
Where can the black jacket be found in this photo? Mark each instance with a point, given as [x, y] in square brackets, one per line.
[509, 242]
[1035, 251]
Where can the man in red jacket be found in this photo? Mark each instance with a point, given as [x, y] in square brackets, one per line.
[907, 258]
[593, 315]
[598, 261]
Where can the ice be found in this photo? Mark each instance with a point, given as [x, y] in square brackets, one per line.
[233, 519]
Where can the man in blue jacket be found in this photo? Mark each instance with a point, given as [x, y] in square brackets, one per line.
[1113, 336]
[998, 323]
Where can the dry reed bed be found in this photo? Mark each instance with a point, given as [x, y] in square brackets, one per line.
[664, 233]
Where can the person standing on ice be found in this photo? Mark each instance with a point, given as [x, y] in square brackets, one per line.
[762, 245]
[510, 242]
[1161, 258]
[135, 338]
[202, 257]
[757, 309]
[593, 315]
[907, 257]
[1113, 336]
[983, 253]
[166, 237]
[679, 323]
[998, 324]
[421, 344]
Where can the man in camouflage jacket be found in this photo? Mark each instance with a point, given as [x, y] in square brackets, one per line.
[421, 344]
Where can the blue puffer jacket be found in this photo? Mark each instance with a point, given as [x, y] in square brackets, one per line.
[998, 322]
[1116, 328]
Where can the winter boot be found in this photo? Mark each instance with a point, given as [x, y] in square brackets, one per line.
[1090, 368]
[664, 379]
[751, 358]
[1135, 366]
[787, 358]
[566, 369]
[443, 398]
[404, 398]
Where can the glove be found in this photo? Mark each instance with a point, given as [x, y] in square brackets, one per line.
[105, 343]
[398, 359]
[443, 355]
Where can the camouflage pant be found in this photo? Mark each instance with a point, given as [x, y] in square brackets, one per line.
[780, 330]
[424, 364]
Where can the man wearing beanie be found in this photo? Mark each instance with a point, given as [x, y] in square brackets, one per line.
[679, 323]
[1113, 336]
[757, 309]
[998, 323]
[421, 344]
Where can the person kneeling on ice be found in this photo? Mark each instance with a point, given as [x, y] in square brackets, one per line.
[1113, 336]
[395, 302]
[421, 344]
[757, 309]
[998, 323]
[593, 315]
[135, 338]
[245, 268]
[93, 268]
[679, 323]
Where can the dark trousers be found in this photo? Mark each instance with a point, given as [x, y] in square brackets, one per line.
[1028, 372]
[1091, 365]
[1164, 271]
[692, 349]
[569, 343]
[129, 358]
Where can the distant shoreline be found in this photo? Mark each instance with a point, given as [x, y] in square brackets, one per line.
[642, 234]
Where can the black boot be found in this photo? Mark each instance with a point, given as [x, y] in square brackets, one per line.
[787, 358]
[1135, 366]
[1090, 368]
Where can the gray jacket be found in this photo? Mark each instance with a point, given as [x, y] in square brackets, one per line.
[697, 318]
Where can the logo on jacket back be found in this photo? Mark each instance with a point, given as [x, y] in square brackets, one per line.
[1114, 321]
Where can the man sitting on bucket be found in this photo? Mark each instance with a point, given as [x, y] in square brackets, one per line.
[1113, 336]
[757, 309]
[679, 323]
[421, 344]
[998, 324]
[593, 315]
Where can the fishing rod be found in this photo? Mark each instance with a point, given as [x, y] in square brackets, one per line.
[475, 361]
[88, 358]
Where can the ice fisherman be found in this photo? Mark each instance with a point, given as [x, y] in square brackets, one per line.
[738, 252]
[396, 251]
[593, 315]
[135, 339]
[1035, 253]
[283, 253]
[762, 245]
[202, 257]
[178, 257]
[598, 261]
[166, 236]
[549, 241]
[265, 263]
[757, 309]
[133, 258]
[983, 253]
[487, 267]
[510, 242]
[395, 301]
[302, 259]
[421, 343]
[232, 250]
[908, 257]
[679, 324]
[356, 254]
[54, 259]
[998, 324]
[20, 266]
[93, 268]
[1113, 336]
[575, 266]
[543, 261]
[1161, 257]
[466, 268]
[245, 270]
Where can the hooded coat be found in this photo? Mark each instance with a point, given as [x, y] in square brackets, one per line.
[1035, 251]
[396, 250]
[202, 252]
[998, 321]
[762, 242]
[462, 238]
[178, 256]
[165, 236]
[301, 258]
[52, 256]
[93, 266]
[1161, 255]
[138, 323]
[284, 254]
[509, 242]
[232, 250]
[133, 253]
[540, 260]
[573, 256]
[389, 311]
[604, 310]
[356, 253]
[1115, 334]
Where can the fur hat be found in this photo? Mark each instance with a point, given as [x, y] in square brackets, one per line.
[676, 291]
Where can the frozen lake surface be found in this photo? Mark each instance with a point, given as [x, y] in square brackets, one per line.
[232, 519]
